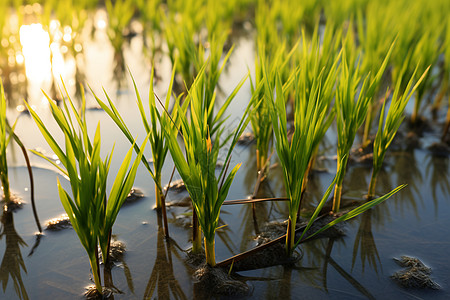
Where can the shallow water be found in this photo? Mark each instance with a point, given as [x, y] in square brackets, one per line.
[415, 222]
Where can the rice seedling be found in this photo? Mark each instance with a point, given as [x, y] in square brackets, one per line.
[197, 166]
[119, 17]
[72, 13]
[182, 30]
[150, 13]
[425, 55]
[4, 141]
[446, 79]
[120, 14]
[187, 13]
[391, 122]
[416, 44]
[260, 119]
[213, 71]
[153, 125]
[338, 12]
[375, 35]
[181, 49]
[91, 212]
[350, 114]
[187, 49]
[267, 34]
[310, 117]
[291, 20]
[6, 133]
[30, 175]
[220, 15]
[318, 58]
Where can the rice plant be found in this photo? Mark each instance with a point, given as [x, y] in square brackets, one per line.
[446, 79]
[197, 167]
[6, 133]
[260, 119]
[318, 58]
[425, 55]
[120, 14]
[352, 103]
[310, 117]
[375, 35]
[182, 49]
[4, 141]
[391, 122]
[150, 14]
[182, 27]
[220, 16]
[153, 125]
[213, 71]
[91, 211]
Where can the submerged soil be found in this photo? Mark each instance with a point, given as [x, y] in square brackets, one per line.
[415, 274]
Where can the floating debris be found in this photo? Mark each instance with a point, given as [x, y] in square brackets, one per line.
[416, 274]
[177, 186]
[59, 223]
[246, 139]
[133, 196]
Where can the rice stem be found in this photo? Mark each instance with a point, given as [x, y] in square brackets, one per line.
[290, 234]
[373, 182]
[196, 233]
[210, 252]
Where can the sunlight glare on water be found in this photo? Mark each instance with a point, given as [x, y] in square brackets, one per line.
[44, 57]
[36, 51]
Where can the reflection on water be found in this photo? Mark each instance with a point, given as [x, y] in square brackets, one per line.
[12, 262]
[345, 275]
[407, 170]
[162, 282]
[365, 244]
[437, 171]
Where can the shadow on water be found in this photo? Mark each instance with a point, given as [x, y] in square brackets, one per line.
[12, 263]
